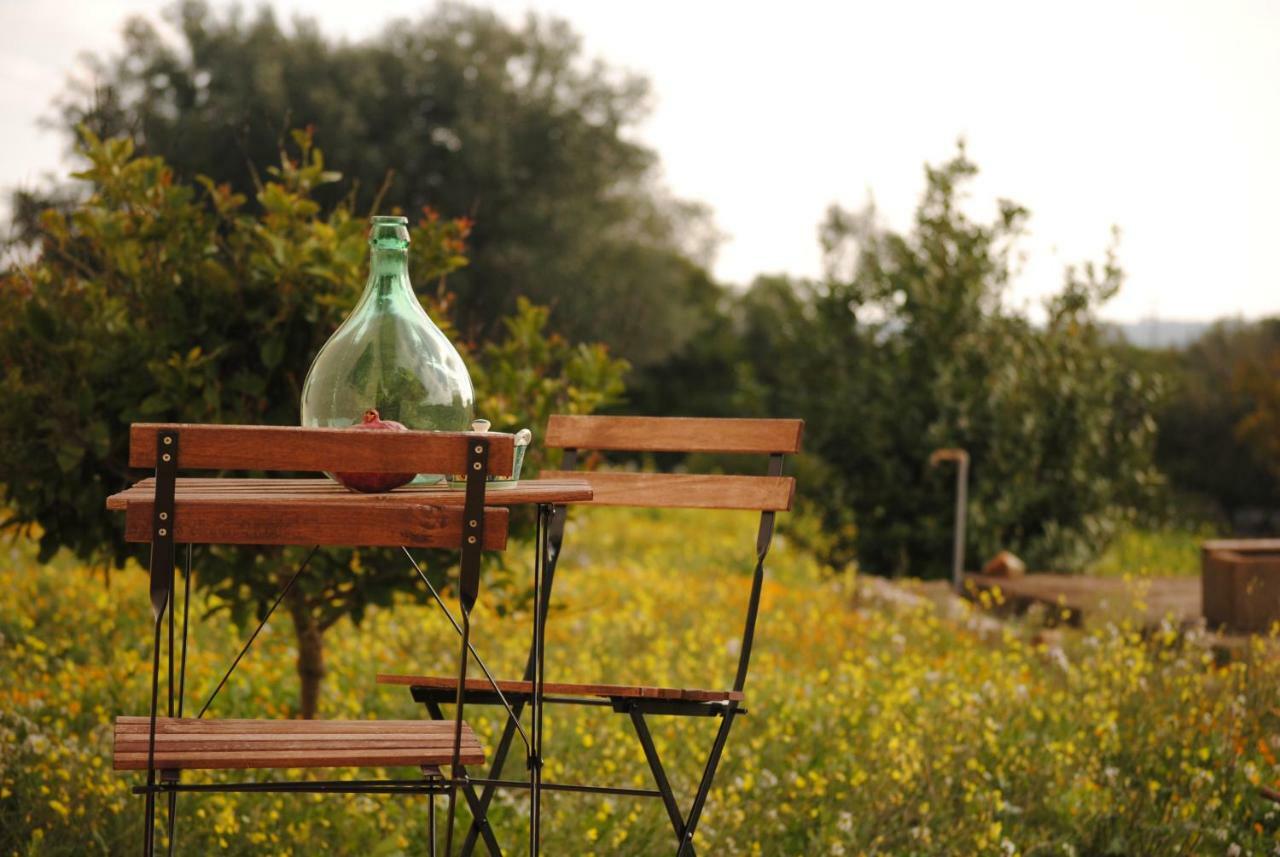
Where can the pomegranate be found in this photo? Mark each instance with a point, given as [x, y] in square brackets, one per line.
[375, 483]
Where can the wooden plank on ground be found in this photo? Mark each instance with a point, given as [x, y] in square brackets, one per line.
[1085, 595]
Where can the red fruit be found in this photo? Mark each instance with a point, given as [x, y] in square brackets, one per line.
[375, 483]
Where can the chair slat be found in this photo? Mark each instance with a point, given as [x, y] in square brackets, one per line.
[302, 522]
[221, 725]
[674, 434]
[233, 447]
[685, 490]
[245, 744]
[608, 691]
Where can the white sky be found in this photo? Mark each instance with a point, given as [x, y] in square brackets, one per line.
[1161, 118]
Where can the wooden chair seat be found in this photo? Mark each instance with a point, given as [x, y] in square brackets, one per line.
[607, 691]
[188, 744]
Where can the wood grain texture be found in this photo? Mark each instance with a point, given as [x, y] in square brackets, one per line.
[198, 489]
[480, 685]
[187, 743]
[303, 522]
[685, 490]
[233, 447]
[674, 434]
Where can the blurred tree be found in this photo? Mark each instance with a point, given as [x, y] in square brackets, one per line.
[907, 346]
[1257, 381]
[1217, 429]
[159, 300]
[508, 125]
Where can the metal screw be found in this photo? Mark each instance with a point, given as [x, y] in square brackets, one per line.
[475, 466]
[164, 516]
[473, 523]
[163, 531]
[470, 539]
[479, 449]
[168, 441]
[167, 457]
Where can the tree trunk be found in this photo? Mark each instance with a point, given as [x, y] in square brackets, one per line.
[310, 638]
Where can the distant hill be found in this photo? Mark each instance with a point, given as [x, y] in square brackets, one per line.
[1160, 333]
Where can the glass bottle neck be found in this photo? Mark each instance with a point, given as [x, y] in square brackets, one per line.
[389, 277]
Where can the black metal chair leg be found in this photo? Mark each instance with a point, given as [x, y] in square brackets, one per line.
[704, 787]
[431, 824]
[659, 774]
[171, 820]
[149, 812]
[549, 536]
[478, 811]
[149, 823]
[479, 804]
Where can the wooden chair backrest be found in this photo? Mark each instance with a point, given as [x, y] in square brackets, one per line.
[680, 434]
[234, 447]
[235, 513]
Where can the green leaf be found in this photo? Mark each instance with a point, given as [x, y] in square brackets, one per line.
[272, 352]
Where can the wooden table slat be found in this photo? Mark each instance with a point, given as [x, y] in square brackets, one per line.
[561, 490]
[322, 512]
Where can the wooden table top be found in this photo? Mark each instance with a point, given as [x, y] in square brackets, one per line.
[322, 512]
[198, 490]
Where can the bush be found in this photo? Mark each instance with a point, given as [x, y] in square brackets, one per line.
[155, 300]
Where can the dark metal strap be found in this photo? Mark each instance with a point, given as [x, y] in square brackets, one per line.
[764, 538]
[558, 515]
[473, 522]
[162, 520]
[186, 612]
[468, 592]
[161, 586]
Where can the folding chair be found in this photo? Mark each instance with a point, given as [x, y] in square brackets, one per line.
[166, 510]
[764, 494]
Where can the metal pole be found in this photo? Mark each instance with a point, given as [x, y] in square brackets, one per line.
[962, 504]
[961, 458]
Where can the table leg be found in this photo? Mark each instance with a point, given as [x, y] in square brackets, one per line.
[535, 699]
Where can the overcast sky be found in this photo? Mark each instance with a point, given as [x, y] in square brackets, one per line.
[1161, 118]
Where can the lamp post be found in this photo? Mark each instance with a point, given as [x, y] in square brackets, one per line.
[961, 458]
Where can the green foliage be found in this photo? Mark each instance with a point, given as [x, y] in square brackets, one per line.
[907, 346]
[1218, 422]
[1154, 552]
[156, 300]
[159, 300]
[458, 109]
[529, 375]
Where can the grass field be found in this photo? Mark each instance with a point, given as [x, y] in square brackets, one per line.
[873, 729]
[1153, 553]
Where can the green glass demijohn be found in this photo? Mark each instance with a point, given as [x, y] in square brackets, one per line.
[388, 354]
